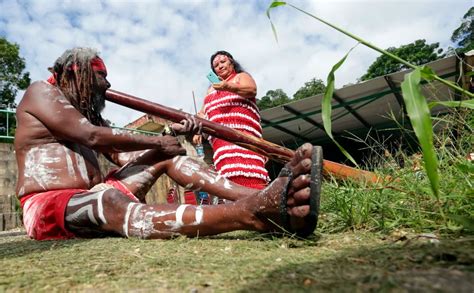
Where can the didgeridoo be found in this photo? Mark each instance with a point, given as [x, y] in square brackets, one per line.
[258, 145]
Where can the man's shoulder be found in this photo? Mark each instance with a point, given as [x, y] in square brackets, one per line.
[41, 85]
[39, 90]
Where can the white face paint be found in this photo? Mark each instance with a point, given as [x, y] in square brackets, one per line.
[37, 166]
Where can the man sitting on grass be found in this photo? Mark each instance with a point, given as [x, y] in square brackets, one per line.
[64, 194]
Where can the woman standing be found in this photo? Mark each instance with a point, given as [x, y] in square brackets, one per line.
[232, 103]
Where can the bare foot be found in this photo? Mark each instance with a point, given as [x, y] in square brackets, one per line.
[291, 202]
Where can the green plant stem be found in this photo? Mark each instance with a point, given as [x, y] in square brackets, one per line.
[453, 86]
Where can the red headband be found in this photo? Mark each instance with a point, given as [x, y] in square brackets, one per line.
[96, 64]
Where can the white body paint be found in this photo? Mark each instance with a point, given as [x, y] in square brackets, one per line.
[37, 162]
[70, 166]
[97, 198]
[189, 167]
[81, 165]
[136, 175]
[141, 220]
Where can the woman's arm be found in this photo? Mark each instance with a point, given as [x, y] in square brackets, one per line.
[242, 84]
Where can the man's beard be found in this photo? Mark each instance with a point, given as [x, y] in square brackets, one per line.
[98, 102]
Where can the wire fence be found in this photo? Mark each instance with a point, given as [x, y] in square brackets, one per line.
[7, 124]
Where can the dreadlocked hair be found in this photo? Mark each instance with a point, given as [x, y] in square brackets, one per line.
[75, 78]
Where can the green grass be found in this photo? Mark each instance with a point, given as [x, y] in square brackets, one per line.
[407, 202]
[238, 262]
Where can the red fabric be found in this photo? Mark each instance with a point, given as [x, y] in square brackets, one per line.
[96, 64]
[239, 165]
[52, 79]
[44, 213]
[111, 180]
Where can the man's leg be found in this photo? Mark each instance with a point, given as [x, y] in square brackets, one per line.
[110, 212]
[141, 173]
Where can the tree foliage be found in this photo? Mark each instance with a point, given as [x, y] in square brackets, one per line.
[463, 36]
[310, 88]
[272, 99]
[416, 53]
[12, 77]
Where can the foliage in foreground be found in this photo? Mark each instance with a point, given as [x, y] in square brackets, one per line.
[406, 202]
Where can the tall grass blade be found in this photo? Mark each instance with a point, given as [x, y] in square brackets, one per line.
[419, 114]
[469, 104]
[326, 106]
[273, 5]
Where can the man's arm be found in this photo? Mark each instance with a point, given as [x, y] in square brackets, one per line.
[47, 104]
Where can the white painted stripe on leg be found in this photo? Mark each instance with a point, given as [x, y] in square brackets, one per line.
[127, 217]
[179, 215]
[87, 209]
[100, 207]
[80, 200]
[199, 213]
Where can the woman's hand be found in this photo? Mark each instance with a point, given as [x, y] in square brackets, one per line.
[242, 84]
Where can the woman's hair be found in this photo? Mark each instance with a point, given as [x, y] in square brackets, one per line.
[75, 77]
[237, 67]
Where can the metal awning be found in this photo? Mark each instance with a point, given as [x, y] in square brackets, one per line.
[357, 108]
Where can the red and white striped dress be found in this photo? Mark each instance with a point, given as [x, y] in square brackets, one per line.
[238, 164]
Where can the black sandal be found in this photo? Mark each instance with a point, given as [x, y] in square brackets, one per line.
[311, 219]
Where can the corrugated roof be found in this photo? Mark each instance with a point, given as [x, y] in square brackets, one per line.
[356, 108]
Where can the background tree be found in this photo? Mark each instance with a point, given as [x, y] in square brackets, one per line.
[273, 98]
[12, 79]
[310, 88]
[463, 36]
[416, 53]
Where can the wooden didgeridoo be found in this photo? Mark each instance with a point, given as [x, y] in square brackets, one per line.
[258, 145]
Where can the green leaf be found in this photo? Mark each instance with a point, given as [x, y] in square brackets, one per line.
[427, 73]
[327, 107]
[273, 5]
[470, 73]
[419, 114]
[469, 104]
[466, 167]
